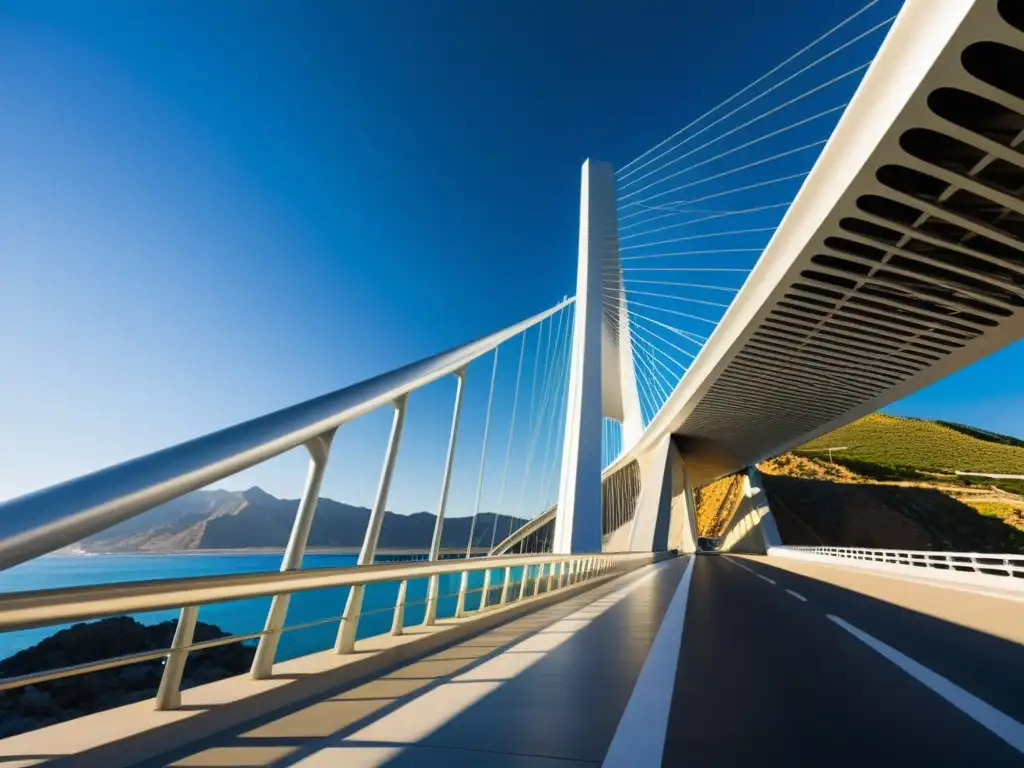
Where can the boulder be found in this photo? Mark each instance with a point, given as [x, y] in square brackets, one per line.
[57, 700]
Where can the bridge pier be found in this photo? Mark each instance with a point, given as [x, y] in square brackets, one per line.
[665, 515]
[752, 529]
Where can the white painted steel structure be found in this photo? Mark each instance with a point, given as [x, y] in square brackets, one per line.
[56, 517]
[978, 568]
[1009, 566]
[58, 606]
[900, 260]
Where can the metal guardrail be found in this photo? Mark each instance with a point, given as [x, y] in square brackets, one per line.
[55, 517]
[531, 526]
[540, 574]
[1009, 566]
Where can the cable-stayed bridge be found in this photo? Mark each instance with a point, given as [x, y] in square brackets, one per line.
[841, 232]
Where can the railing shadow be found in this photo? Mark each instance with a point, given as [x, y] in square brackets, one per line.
[282, 735]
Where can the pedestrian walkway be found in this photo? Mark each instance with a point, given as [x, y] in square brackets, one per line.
[546, 689]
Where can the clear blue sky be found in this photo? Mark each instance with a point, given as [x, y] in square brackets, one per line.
[210, 210]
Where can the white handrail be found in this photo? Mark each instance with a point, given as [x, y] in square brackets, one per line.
[1005, 565]
[55, 517]
[55, 606]
[23, 610]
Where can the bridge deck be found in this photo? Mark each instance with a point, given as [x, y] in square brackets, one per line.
[545, 689]
[758, 671]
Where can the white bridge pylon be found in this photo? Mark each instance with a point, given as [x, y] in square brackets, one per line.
[602, 384]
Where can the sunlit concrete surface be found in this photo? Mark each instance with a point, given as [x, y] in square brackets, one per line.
[1000, 614]
[545, 688]
[137, 731]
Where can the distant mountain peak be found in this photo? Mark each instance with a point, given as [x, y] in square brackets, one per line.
[256, 494]
[254, 518]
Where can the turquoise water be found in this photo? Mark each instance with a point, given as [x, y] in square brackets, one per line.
[237, 616]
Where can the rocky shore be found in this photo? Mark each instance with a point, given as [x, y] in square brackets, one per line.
[33, 706]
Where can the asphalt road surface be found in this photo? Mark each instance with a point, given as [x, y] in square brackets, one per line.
[783, 669]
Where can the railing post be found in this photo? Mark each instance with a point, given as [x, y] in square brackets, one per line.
[551, 575]
[319, 449]
[346, 639]
[523, 583]
[398, 622]
[435, 544]
[504, 585]
[485, 591]
[536, 584]
[563, 573]
[460, 603]
[168, 696]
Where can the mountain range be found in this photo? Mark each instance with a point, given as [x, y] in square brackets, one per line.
[255, 519]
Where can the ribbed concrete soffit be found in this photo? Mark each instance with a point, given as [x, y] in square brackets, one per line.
[917, 270]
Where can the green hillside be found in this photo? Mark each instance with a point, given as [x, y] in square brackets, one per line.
[992, 437]
[891, 441]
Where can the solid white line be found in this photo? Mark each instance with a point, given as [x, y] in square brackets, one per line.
[770, 581]
[797, 595]
[1003, 726]
[639, 739]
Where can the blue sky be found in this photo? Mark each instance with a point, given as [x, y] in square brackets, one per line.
[213, 210]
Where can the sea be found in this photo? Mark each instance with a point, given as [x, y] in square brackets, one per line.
[236, 616]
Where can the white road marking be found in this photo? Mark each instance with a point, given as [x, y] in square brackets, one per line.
[797, 595]
[749, 570]
[741, 565]
[1003, 726]
[639, 739]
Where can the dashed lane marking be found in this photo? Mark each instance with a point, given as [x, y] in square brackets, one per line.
[1002, 725]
